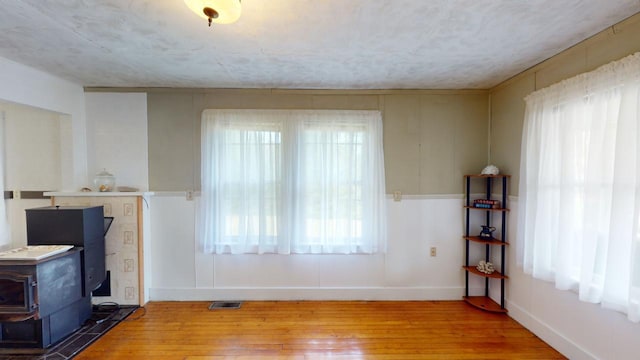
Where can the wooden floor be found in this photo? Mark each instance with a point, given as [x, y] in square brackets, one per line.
[312, 330]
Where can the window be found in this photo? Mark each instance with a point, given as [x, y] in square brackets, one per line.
[579, 209]
[302, 181]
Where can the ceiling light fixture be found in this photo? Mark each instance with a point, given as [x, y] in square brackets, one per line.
[217, 11]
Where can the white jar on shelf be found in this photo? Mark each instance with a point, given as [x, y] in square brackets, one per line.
[104, 181]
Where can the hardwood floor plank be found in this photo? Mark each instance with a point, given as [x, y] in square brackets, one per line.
[316, 330]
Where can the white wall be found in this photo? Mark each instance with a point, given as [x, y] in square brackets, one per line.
[23, 85]
[34, 159]
[182, 272]
[117, 137]
[577, 329]
[17, 219]
[27, 86]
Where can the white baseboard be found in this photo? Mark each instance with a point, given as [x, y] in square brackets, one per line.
[555, 339]
[284, 294]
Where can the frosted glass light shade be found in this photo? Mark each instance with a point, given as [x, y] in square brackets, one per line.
[228, 10]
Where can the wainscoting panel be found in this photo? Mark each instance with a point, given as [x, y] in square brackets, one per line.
[406, 271]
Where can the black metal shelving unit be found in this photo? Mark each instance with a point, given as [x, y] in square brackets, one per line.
[485, 302]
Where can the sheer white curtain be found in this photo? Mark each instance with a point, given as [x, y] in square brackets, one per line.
[292, 181]
[579, 202]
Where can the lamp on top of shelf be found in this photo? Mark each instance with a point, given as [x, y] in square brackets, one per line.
[217, 11]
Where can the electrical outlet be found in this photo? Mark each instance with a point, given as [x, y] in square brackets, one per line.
[397, 195]
[189, 194]
[433, 251]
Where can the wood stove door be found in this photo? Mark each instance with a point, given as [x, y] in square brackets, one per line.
[17, 294]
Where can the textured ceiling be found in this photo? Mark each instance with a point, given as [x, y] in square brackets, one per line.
[326, 44]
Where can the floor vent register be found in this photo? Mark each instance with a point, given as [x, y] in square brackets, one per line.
[225, 305]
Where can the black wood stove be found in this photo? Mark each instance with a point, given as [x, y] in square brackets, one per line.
[43, 300]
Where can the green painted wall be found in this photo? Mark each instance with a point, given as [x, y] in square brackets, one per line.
[431, 138]
[507, 104]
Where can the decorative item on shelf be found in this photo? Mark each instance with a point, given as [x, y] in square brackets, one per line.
[104, 181]
[486, 204]
[490, 170]
[487, 232]
[85, 189]
[485, 267]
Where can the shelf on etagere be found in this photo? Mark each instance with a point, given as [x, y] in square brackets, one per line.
[499, 176]
[494, 275]
[485, 209]
[493, 241]
[484, 303]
